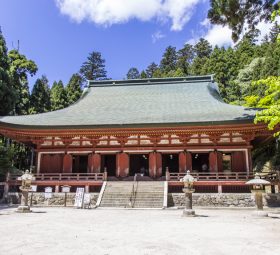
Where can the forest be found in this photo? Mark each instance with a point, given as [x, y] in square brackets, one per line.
[248, 74]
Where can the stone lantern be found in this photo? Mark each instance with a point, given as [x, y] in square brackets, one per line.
[258, 189]
[188, 190]
[25, 187]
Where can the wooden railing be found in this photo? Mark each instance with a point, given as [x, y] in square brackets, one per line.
[64, 177]
[212, 176]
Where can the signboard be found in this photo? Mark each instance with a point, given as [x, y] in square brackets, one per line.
[66, 189]
[33, 188]
[48, 192]
[86, 198]
[79, 197]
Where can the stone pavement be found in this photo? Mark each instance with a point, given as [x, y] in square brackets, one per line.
[115, 231]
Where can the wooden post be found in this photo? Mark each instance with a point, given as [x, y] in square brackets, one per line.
[122, 164]
[158, 165]
[152, 164]
[96, 163]
[182, 162]
[213, 161]
[188, 161]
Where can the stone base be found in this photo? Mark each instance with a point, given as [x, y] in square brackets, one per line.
[23, 209]
[260, 213]
[188, 213]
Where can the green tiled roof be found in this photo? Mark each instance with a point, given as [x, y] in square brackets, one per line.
[152, 102]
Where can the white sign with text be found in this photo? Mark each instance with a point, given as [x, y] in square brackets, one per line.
[79, 197]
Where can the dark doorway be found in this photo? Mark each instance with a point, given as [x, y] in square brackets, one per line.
[80, 163]
[200, 162]
[109, 161]
[138, 163]
[171, 161]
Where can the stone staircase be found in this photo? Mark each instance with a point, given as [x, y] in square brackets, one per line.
[126, 194]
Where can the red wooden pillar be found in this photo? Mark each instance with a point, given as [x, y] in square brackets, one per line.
[182, 162]
[188, 161]
[96, 163]
[122, 164]
[250, 163]
[158, 164]
[213, 161]
[67, 163]
[90, 163]
[220, 161]
[152, 164]
[238, 161]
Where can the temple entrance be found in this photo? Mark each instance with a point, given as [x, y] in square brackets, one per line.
[109, 161]
[80, 163]
[138, 163]
[200, 162]
[171, 161]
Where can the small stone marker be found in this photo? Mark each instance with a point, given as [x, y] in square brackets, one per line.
[79, 197]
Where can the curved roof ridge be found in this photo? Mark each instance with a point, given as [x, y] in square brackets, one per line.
[150, 81]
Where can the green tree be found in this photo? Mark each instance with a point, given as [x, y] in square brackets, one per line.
[270, 100]
[151, 69]
[20, 67]
[169, 60]
[237, 13]
[6, 159]
[185, 58]
[40, 100]
[58, 96]
[7, 92]
[133, 73]
[93, 68]
[73, 89]
[143, 75]
[202, 50]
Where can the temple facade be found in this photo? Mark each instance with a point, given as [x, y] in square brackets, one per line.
[158, 128]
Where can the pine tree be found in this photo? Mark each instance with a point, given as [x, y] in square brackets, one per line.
[202, 51]
[93, 68]
[73, 89]
[185, 58]
[58, 96]
[7, 92]
[169, 60]
[236, 13]
[40, 97]
[151, 70]
[133, 73]
[143, 75]
[20, 67]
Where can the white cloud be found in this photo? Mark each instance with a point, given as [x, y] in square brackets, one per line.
[109, 12]
[221, 35]
[157, 36]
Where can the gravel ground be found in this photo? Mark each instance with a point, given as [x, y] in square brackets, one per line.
[70, 231]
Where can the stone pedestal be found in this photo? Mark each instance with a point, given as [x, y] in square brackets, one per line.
[188, 211]
[24, 207]
[259, 203]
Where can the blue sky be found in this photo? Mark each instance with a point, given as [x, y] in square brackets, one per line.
[59, 34]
